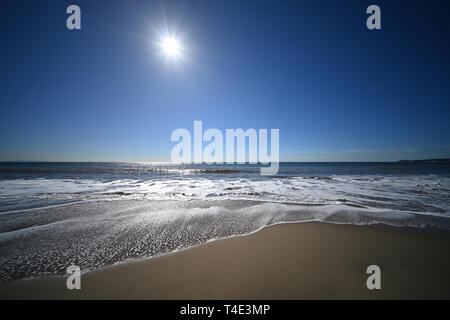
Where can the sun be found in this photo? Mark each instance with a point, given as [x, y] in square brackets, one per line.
[171, 46]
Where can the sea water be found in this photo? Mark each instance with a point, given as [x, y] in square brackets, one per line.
[53, 215]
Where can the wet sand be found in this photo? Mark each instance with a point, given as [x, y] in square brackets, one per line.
[287, 261]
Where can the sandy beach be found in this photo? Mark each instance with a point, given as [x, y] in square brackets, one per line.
[285, 261]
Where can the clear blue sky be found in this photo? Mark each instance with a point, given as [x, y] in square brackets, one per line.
[336, 91]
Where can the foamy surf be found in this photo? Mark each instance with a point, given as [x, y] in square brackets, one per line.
[418, 193]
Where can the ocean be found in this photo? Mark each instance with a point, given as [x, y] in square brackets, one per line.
[53, 215]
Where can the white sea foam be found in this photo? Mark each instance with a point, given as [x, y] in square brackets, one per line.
[426, 193]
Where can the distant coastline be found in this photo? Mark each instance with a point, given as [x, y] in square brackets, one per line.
[444, 160]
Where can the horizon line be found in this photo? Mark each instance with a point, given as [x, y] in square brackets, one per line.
[204, 163]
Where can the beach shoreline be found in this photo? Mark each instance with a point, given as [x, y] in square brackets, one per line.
[309, 260]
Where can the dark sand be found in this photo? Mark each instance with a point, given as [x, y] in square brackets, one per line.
[289, 261]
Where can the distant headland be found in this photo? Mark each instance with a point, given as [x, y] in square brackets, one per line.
[444, 160]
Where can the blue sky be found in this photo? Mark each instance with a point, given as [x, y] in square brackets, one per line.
[334, 89]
